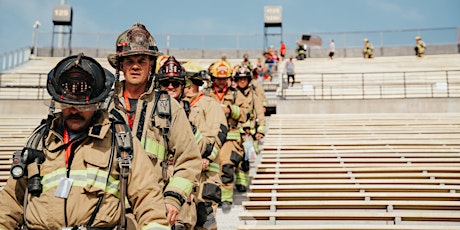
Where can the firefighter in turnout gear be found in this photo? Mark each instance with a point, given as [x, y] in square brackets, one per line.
[81, 165]
[210, 125]
[253, 129]
[155, 119]
[236, 110]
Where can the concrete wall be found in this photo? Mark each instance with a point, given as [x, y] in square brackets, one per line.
[238, 54]
[412, 105]
[24, 107]
[415, 105]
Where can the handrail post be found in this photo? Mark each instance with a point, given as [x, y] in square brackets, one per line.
[404, 83]
[322, 85]
[447, 82]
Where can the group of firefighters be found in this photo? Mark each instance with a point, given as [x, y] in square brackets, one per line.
[420, 46]
[160, 144]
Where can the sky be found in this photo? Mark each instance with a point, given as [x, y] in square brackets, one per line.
[229, 18]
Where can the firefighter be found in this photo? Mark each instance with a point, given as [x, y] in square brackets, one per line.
[236, 110]
[75, 178]
[253, 130]
[209, 121]
[368, 49]
[159, 122]
[419, 47]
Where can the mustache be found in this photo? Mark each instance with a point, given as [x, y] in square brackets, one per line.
[75, 117]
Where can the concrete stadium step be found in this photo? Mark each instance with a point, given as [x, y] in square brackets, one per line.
[357, 171]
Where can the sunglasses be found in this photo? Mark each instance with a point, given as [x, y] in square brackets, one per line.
[175, 84]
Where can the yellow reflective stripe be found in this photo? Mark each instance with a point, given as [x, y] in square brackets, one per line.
[181, 183]
[227, 195]
[233, 136]
[214, 153]
[213, 167]
[153, 147]
[198, 136]
[154, 226]
[235, 112]
[81, 178]
[242, 178]
[262, 129]
[52, 179]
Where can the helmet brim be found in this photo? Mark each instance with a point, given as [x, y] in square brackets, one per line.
[112, 58]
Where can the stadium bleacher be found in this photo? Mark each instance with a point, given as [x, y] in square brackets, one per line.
[323, 171]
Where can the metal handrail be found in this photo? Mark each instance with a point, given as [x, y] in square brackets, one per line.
[378, 85]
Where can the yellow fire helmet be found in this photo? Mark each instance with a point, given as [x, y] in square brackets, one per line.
[220, 69]
[160, 61]
[195, 73]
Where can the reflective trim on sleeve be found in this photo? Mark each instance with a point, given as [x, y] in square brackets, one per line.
[155, 226]
[180, 183]
[235, 112]
[233, 136]
[94, 177]
[214, 153]
[198, 136]
[153, 147]
[213, 167]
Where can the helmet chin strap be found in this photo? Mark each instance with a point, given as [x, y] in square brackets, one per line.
[118, 87]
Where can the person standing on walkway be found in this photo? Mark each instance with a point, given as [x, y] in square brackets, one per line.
[290, 71]
[282, 50]
[368, 49]
[331, 49]
[419, 47]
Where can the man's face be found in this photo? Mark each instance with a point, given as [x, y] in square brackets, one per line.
[77, 120]
[242, 82]
[136, 69]
[221, 82]
[173, 87]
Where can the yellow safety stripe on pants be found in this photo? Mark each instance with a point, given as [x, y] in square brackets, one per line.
[181, 183]
[235, 112]
[91, 176]
[153, 147]
[262, 129]
[213, 167]
[233, 136]
[242, 178]
[154, 226]
[227, 195]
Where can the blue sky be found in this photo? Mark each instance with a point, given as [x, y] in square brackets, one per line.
[225, 17]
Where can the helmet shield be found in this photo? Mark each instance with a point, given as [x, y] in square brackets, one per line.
[79, 80]
[220, 70]
[242, 72]
[171, 70]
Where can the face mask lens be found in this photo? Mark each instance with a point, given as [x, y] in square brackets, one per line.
[80, 108]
